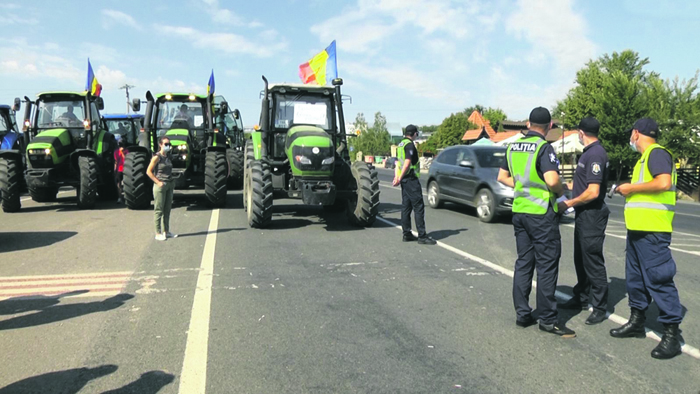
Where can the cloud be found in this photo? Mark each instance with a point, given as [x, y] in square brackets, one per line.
[26, 61]
[223, 42]
[226, 16]
[112, 17]
[563, 37]
[14, 19]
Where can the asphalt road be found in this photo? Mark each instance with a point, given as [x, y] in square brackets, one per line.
[91, 303]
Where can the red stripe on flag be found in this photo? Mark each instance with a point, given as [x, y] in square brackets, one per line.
[306, 73]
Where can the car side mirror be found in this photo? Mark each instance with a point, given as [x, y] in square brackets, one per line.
[466, 164]
[136, 104]
[17, 104]
[100, 103]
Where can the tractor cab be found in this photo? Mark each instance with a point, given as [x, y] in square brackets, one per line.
[9, 134]
[126, 126]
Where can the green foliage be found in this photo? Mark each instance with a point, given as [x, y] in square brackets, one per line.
[373, 140]
[496, 116]
[451, 130]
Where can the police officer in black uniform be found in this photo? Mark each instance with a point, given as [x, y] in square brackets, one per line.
[590, 185]
[407, 174]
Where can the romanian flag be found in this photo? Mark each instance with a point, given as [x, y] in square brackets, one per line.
[210, 86]
[321, 69]
[92, 85]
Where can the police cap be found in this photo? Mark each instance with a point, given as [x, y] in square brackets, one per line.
[540, 115]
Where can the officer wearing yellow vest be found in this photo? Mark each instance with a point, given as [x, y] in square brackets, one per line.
[532, 169]
[650, 268]
[407, 174]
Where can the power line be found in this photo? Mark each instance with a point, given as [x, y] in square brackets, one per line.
[127, 87]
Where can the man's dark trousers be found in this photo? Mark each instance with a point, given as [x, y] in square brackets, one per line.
[412, 200]
[539, 248]
[649, 272]
[589, 235]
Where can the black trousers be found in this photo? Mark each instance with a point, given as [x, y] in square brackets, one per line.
[412, 200]
[539, 248]
[589, 236]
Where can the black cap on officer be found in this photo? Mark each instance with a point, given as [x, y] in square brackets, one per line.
[648, 127]
[540, 115]
[589, 125]
[410, 130]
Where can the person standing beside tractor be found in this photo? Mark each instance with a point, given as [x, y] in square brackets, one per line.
[160, 170]
[119, 157]
[407, 173]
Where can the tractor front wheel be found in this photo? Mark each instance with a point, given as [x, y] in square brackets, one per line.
[10, 184]
[87, 191]
[235, 164]
[137, 186]
[215, 174]
[43, 194]
[258, 194]
[363, 208]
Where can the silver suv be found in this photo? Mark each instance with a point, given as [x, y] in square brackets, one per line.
[467, 175]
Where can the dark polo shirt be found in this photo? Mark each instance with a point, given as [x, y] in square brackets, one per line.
[593, 167]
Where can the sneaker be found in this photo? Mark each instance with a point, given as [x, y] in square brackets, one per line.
[168, 234]
[426, 241]
[160, 237]
[409, 238]
[525, 323]
[558, 329]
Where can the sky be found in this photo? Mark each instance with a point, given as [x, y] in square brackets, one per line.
[416, 61]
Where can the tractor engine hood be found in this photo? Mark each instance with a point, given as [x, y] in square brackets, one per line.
[49, 147]
[310, 151]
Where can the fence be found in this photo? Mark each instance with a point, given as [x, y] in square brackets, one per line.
[689, 181]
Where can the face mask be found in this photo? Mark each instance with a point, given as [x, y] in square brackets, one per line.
[633, 146]
[166, 149]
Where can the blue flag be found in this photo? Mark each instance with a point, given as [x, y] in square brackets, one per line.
[210, 86]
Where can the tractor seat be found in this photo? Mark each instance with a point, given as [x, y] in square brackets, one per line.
[180, 124]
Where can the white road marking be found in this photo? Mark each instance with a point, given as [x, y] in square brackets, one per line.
[397, 188]
[193, 379]
[60, 286]
[687, 349]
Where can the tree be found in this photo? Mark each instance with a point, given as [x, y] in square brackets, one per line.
[493, 115]
[373, 140]
[451, 130]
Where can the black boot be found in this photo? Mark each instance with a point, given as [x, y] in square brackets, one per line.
[633, 328]
[670, 345]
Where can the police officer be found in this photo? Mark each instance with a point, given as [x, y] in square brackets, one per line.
[650, 268]
[407, 173]
[532, 169]
[590, 185]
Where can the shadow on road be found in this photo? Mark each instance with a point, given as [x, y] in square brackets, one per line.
[149, 383]
[54, 314]
[15, 305]
[218, 231]
[69, 381]
[72, 381]
[70, 204]
[442, 234]
[14, 241]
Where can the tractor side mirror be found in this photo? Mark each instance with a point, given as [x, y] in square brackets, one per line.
[236, 113]
[136, 104]
[17, 104]
[224, 108]
[100, 103]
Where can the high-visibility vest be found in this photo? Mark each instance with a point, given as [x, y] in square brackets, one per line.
[652, 212]
[401, 154]
[531, 192]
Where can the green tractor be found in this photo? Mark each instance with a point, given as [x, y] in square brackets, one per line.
[11, 158]
[231, 124]
[301, 152]
[198, 148]
[67, 144]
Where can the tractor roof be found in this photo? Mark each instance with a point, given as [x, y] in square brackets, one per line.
[122, 116]
[199, 96]
[296, 87]
[3, 106]
[59, 93]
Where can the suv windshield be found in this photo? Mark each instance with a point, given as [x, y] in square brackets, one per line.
[180, 115]
[291, 109]
[60, 114]
[491, 158]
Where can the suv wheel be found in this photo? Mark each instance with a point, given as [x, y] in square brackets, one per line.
[485, 206]
[434, 195]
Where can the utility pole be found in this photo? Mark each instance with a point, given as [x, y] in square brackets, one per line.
[128, 103]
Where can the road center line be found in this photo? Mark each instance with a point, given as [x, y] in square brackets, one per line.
[193, 379]
[687, 349]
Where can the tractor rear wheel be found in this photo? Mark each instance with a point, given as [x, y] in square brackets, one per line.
[363, 208]
[43, 194]
[87, 191]
[235, 164]
[215, 174]
[10, 184]
[137, 186]
[258, 194]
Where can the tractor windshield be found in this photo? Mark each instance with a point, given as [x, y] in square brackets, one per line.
[295, 109]
[179, 115]
[4, 124]
[126, 128]
[52, 114]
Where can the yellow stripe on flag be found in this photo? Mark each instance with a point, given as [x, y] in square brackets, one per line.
[318, 65]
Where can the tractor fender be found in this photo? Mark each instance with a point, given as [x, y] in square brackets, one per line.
[11, 154]
[136, 148]
[81, 153]
[221, 148]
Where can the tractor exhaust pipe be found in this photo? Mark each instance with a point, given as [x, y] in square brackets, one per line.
[265, 118]
[338, 82]
[148, 124]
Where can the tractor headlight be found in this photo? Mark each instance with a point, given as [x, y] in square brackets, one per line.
[328, 160]
[47, 151]
[182, 147]
[303, 160]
